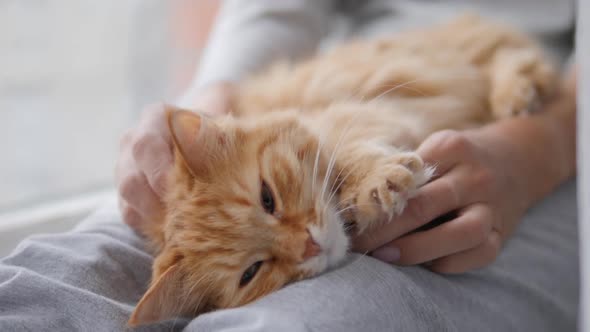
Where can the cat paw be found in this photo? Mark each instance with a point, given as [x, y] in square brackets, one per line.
[384, 192]
[518, 98]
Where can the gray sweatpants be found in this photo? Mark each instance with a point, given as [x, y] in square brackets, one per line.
[89, 279]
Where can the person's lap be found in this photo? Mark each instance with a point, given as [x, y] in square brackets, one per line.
[90, 279]
[533, 286]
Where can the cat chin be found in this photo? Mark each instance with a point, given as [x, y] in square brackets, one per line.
[334, 242]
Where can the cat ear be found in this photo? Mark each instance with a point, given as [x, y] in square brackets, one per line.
[196, 138]
[160, 301]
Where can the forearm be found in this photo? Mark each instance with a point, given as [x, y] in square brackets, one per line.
[542, 148]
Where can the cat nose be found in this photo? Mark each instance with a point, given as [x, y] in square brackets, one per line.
[312, 249]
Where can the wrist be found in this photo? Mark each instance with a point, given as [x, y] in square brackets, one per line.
[535, 153]
[514, 161]
[553, 161]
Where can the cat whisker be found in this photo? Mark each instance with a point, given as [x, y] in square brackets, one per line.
[333, 191]
[321, 141]
[330, 162]
[352, 207]
[354, 95]
[405, 85]
[180, 305]
[344, 210]
[341, 182]
[341, 138]
[362, 255]
[332, 159]
[399, 86]
[332, 187]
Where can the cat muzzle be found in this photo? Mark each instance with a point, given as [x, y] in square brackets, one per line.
[312, 249]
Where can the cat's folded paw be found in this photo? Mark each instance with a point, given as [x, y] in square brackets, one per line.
[384, 192]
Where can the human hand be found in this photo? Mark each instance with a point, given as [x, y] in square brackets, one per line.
[146, 155]
[478, 179]
[489, 177]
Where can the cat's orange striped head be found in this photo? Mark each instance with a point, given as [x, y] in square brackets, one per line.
[246, 215]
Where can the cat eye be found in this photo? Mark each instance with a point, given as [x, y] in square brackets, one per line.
[266, 199]
[250, 273]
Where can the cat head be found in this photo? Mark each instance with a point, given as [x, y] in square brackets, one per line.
[247, 213]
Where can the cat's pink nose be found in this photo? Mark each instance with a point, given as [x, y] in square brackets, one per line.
[312, 249]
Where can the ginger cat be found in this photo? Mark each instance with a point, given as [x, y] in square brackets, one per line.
[263, 197]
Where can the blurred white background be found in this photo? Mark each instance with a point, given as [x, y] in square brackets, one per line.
[73, 76]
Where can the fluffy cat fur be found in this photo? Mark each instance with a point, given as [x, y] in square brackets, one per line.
[330, 141]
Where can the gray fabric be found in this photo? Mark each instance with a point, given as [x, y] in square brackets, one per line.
[268, 30]
[264, 30]
[89, 280]
[549, 21]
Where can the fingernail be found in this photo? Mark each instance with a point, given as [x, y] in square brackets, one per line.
[387, 254]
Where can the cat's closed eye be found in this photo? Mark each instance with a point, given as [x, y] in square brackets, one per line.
[267, 199]
[250, 273]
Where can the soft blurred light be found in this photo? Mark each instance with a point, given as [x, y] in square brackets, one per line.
[73, 75]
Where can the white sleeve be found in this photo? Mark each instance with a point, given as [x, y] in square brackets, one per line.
[250, 34]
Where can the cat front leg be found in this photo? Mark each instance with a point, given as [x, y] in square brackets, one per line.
[378, 184]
